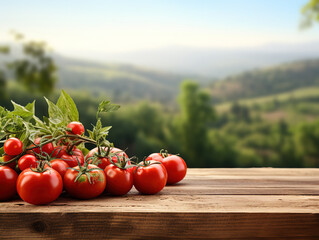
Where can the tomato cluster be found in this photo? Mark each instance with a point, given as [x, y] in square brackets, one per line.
[40, 171]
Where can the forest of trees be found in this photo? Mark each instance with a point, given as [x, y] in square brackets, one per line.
[202, 136]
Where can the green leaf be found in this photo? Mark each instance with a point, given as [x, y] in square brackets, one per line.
[105, 130]
[21, 111]
[2, 135]
[55, 114]
[2, 111]
[91, 134]
[107, 106]
[25, 136]
[98, 124]
[46, 120]
[31, 107]
[84, 150]
[68, 107]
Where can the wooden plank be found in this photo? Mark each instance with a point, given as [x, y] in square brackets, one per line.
[245, 186]
[174, 204]
[268, 181]
[209, 204]
[202, 172]
[159, 226]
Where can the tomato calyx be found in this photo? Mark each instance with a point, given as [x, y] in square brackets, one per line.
[84, 170]
[42, 166]
[69, 148]
[145, 163]
[102, 152]
[122, 162]
[164, 153]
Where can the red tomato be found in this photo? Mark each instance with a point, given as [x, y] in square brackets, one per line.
[39, 187]
[82, 188]
[46, 149]
[8, 179]
[58, 152]
[7, 158]
[176, 168]
[118, 181]
[71, 159]
[27, 161]
[155, 157]
[102, 162]
[150, 179]
[60, 166]
[76, 128]
[13, 146]
[30, 152]
[158, 156]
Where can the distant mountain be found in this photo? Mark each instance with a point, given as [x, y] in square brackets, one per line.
[127, 82]
[266, 81]
[214, 62]
[123, 83]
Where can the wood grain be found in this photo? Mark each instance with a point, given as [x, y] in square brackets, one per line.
[209, 204]
[174, 204]
[159, 226]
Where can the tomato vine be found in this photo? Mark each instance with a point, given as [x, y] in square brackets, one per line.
[23, 124]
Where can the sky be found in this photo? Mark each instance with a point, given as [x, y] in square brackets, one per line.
[77, 27]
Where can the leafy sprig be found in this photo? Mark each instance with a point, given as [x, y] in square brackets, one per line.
[22, 123]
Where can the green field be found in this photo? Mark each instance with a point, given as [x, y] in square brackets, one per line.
[295, 94]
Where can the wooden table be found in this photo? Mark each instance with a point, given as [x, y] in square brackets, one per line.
[257, 203]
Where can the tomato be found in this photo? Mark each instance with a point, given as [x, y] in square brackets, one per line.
[76, 128]
[82, 188]
[7, 158]
[58, 152]
[39, 188]
[71, 158]
[13, 146]
[155, 157]
[176, 168]
[175, 165]
[60, 166]
[30, 152]
[118, 181]
[46, 149]
[150, 178]
[8, 179]
[158, 156]
[102, 162]
[27, 161]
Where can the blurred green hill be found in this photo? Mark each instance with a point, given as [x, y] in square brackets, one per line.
[263, 117]
[127, 83]
[266, 81]
[123, 83]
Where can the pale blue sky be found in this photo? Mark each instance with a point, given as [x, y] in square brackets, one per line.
[78, 27]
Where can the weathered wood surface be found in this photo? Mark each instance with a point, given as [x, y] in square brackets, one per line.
[257, 203]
